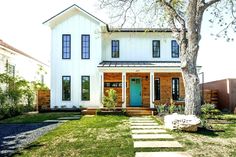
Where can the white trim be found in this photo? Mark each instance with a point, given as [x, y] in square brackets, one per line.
[123, 89]
[151, 89]
[101, 76]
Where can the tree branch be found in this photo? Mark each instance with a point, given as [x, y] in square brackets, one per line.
[209, 3]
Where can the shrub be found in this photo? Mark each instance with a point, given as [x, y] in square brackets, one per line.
[110, 101]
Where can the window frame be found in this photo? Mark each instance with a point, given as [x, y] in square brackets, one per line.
[157, 97]
[63, 90]
[159, 48]
[173, 54]
[82, 88]
[63, 57]
[177, 87]
[112, 52]
[82, 46]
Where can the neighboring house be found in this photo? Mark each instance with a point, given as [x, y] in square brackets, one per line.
[18, 63]
[88, 57]
[226, 93]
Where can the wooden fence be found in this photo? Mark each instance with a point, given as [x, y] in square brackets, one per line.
[43, 100]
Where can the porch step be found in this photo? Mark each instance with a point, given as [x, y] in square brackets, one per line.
[138, 111]
[89, 112]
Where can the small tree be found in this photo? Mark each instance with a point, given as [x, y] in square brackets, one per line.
[110, 101]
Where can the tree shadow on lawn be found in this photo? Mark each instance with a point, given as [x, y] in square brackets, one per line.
[30, 147]
[208, 131]
[15, 136]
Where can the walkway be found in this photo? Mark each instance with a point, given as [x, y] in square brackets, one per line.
[149, 138]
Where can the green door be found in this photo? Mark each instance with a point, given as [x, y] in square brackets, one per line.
[135, 92]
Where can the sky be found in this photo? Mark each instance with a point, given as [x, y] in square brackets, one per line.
[21, 26]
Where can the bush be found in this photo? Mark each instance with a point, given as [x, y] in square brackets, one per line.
[209, 109]
[110, 101]
[16, 96]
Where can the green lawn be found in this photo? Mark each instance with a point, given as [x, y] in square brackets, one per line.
[205, 143]
[105, 136]
[38, 117]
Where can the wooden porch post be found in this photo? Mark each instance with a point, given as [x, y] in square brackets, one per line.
[151, 89]
[123, 89]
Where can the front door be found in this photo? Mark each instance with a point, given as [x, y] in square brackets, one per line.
[135, 92]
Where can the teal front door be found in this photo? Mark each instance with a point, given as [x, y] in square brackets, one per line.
[135, 92]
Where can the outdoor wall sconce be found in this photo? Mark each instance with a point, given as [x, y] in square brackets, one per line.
[146, 78]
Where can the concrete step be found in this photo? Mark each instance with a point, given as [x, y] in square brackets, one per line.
[157, 144]
[147, 127]
[151, 131]
[162, 154]
[151, 136]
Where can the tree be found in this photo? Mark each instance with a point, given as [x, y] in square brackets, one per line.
[184, 18]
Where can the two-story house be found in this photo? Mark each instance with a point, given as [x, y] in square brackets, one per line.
[19, 63]
[88, 57]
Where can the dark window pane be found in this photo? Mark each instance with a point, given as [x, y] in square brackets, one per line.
[156, 48]
[174, 49]
[175, 88]
[85, 88]
[157, 89]
[115, 48]
[66, 46]
[66, 88]
[85, 46]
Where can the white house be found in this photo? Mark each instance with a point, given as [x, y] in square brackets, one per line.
[88, 57]
[18, 63]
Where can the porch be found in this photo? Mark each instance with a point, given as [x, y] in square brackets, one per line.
[142, 87]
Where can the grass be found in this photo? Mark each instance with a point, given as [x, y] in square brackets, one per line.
[219, 142]
[37, 117]
[91, 136]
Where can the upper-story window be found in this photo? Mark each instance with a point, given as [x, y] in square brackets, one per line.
[174, 49]
[156, 49]
[66, 46]
[85, 46]
[115, 49]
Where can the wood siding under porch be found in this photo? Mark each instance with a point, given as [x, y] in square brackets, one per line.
[165, 86]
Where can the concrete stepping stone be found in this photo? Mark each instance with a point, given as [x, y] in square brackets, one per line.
[144, 124]
[148, 131]
[55, 121]
[69, 118]
[139, 118]
[152, 136]
[162, 154]
[142, 121]
[147, 127]
[157, 144]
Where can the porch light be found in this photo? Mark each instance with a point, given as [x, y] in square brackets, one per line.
[146, 78]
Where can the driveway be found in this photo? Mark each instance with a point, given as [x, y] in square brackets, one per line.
[16, 136]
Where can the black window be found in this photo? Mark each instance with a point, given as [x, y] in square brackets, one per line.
[85, 88]
[113, 84]
[66, 88]
[157, 89]
[85, 46]
[66, 46]
[115, 48]
[174, 49]
[175, 88]
[156, 48]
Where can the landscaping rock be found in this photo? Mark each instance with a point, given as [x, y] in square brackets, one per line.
[188, 123]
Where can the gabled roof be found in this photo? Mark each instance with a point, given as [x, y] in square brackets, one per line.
[7, 46]
[70, 9]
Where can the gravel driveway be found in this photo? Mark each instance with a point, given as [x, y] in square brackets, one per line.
[15, 136]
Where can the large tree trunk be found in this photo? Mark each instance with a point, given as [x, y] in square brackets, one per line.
[192, 90]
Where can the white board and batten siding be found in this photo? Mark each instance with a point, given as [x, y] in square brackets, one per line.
[75, 67]
[137, 46]
[134, 46]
